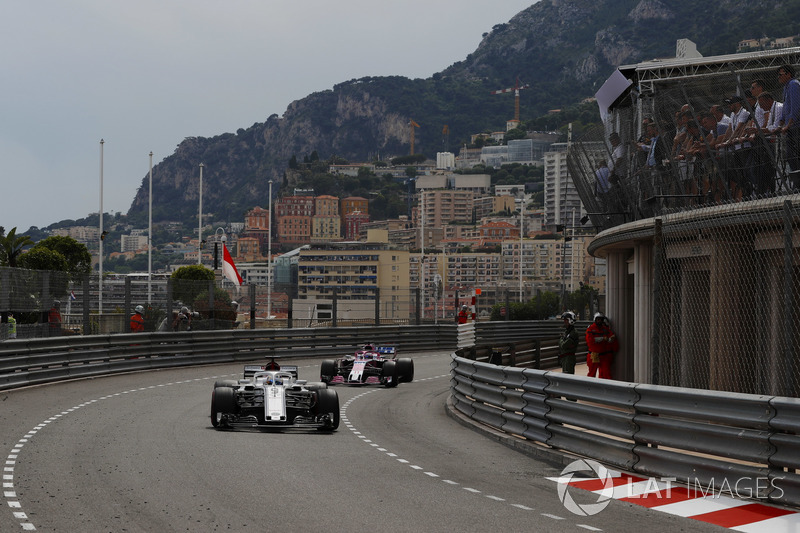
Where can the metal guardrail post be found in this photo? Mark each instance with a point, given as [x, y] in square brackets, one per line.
[126, 326]
[377, 306]
[537, 360]
[334, 307]
[417, 307]
[211, 315]
[253, 307]
[658, 265]
[788, 302]
[87, 325]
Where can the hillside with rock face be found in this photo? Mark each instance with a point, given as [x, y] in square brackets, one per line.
[563, 49]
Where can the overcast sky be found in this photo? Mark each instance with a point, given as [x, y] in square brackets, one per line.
[144, 75]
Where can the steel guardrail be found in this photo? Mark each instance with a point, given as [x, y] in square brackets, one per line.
[699, 437]
[26, 362]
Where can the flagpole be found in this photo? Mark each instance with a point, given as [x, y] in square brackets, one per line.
[269, 256]
[150, 238]
[200, 221]
[100, 286]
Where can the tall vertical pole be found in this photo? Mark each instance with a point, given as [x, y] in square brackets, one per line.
[521, 234]
[422, 252]
[200, 221]
[150, 237]
[100, 286]
[269, 256]
[572, 255]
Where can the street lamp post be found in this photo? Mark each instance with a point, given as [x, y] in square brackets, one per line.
[269, 255]
[150, 237]
[521, 234]
[200, 221]
[222, 240]
[100, 286]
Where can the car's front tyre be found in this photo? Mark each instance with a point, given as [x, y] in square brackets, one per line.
[389, 375]
[405, 370]
[223, 401]
[327, 369]
[328, 403]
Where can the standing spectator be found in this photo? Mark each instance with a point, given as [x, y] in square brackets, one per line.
[790, 121]
[54, 319]
[738, 153]
[602, 343]
[719, 114]
[568, 343]
[183, 320]
[763, 139]
[462, 315]
[617, 165]
[756, 88]
[12, 326]
[137, 320]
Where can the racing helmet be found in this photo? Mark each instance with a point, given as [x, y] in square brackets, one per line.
[139, 309]
[599, 315]
[569, 316]
[184, 310]
[464, 307]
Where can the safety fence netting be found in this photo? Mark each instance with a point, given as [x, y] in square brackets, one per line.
[728, 281]
[36, 303]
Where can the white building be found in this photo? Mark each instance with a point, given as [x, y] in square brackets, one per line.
[562, 204]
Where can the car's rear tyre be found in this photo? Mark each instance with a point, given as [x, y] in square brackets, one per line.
[327, 369]
[389, 374]
[223, 401]
[405, 370]
[328, 402]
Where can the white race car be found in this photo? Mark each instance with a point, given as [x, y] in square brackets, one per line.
[271, 396]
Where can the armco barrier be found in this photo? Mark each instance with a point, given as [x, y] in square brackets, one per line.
[36, 361]
[742, 443]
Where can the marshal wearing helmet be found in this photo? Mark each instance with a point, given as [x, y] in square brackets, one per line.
[568, 343]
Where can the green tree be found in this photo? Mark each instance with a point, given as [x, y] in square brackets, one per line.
[45, 259]
[77, 256]
[12, 246]
[41, 258]
[190, 281]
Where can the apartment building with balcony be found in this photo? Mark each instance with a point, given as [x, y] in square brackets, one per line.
[355, 273]
[486, 205]
[293, 219]
[440, 207]
[561, 199]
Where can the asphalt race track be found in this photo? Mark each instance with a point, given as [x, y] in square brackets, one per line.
[137, 453]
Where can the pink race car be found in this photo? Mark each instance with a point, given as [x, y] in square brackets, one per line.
[370, 365]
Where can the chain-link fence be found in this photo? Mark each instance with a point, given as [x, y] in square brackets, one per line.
[42, 304]
[729, 283]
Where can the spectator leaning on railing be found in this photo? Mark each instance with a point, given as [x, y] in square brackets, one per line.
[790, 121]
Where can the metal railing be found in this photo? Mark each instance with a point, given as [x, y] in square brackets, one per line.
[26, 362]
[701, 438]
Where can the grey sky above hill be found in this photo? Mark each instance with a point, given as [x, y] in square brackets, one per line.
[143, 75]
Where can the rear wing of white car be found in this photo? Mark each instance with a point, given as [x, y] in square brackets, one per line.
[250, 370]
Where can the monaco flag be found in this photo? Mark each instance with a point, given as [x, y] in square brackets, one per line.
[228, 268]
